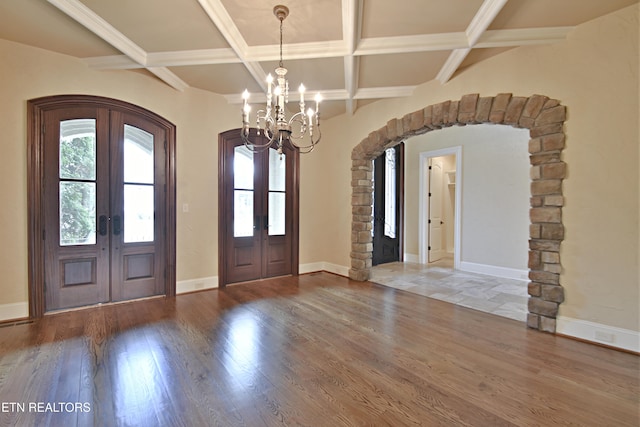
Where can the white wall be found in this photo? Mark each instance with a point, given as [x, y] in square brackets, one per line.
[494, 192]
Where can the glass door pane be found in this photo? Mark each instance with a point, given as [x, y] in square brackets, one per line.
[77, 185]
[390, 193]
[277, 192]
[243, 190]
[139, 203]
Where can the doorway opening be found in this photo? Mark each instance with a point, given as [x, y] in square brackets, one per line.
[544, 118]
[388, 206]
[439, 205]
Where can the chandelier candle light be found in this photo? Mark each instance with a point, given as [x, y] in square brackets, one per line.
[296, 132]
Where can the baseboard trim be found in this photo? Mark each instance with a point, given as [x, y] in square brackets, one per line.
[414, 258]
[492, 270]
[194, 285]
[609, 336]
[15, 311]
[324, 266]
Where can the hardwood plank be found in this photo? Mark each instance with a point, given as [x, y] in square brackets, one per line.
[316, 350]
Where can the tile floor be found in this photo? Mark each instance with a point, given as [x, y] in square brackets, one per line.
[497, 295]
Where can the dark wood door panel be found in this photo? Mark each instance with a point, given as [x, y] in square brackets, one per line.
[79, 254]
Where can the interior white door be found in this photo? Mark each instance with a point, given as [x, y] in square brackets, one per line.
[436, 175]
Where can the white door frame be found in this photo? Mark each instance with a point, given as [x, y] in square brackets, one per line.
[423, 200]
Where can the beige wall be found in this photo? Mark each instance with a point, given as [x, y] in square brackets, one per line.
[595, 74]
[199, 116]
[494, 192]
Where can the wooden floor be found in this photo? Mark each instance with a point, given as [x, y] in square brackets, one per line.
[316, 350]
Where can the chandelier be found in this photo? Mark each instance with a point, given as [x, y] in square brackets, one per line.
[301, 131]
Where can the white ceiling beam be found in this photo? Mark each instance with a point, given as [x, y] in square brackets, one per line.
[329, 49]
[451, 65]
[351, 26]
[406, 44]
[169, 78]
[372, 46]
[482, 19]
[523, 37]
[476, 28]
[94, 23]
[222, 20]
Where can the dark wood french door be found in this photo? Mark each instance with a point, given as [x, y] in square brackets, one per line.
[388, 205]
[258, 211]
[104, 205]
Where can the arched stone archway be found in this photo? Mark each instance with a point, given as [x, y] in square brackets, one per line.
[545, 119]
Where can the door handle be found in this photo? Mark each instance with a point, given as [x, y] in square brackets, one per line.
[102, 225]
[117, 225]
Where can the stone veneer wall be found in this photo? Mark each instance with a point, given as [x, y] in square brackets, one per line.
[545, 119]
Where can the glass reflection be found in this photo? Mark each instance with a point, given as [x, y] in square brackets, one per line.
[138, 374]
[138, 155]
[138, 213]
[242, 350]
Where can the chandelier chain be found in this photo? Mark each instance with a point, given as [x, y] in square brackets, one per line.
[281, 19]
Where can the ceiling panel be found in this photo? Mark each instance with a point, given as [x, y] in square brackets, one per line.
[308, 21]
[315, 74]
[400, 69]
[37, 23]
[223, 79]
[554, 13]
[161, 25]
[384, 18]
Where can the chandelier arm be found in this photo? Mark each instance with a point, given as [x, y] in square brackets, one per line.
[279, 131]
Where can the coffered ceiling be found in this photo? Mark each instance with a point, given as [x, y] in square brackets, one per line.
[353, 51]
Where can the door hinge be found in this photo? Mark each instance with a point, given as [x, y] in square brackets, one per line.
[429, 222]
[429, 167]
[429, 248]
[429, 194]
